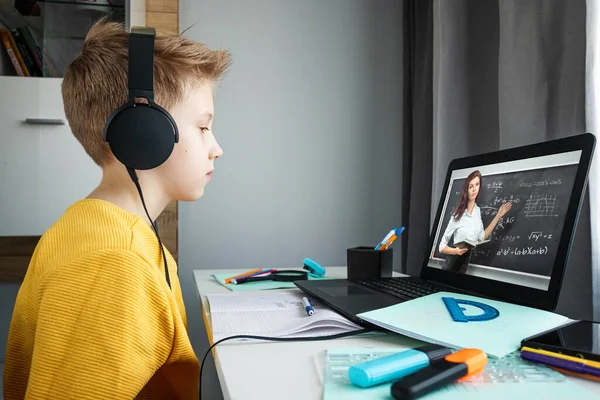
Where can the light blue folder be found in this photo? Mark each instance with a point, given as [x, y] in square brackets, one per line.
[427, 318]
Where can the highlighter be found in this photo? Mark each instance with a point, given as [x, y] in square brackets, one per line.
[395, 366]
[457, 366]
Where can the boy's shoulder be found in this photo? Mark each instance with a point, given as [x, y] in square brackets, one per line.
[92, 226]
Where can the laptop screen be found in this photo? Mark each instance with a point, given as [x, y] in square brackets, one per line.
[503, 221]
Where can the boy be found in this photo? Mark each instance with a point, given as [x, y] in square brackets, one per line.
[95, 317]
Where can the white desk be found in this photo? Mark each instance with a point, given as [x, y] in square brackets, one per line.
[290, 370]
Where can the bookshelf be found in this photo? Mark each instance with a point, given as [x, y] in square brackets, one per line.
[40, 38]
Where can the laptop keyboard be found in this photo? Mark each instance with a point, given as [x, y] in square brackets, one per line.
[400, 287]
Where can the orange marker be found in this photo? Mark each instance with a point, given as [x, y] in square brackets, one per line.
[388, 243]
[254, 271]
[457, 366]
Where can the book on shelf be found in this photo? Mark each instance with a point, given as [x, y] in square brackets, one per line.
[13, 53]
[27, 51]
[24, 52]
[470, 244]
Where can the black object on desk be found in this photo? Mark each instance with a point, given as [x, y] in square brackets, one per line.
[279, 276]
[460, 365]
[367, 263]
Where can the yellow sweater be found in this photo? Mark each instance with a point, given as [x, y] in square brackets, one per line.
[95, 318]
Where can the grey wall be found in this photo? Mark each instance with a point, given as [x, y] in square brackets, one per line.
[309, 118]
[8, 295]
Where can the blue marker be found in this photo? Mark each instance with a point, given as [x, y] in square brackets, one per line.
[387, 241]
[395, 366]
[307, 306]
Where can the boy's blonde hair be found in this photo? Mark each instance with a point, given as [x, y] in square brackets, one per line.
[95, 83]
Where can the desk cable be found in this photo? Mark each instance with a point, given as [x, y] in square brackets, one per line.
[275, 339]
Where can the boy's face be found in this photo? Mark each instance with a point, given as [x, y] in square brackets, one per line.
[188, 170]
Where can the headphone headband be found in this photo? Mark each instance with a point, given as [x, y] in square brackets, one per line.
[141, 63]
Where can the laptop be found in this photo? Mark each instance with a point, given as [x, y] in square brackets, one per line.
[520, 230]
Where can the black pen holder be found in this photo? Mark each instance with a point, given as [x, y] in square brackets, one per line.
[366, 263]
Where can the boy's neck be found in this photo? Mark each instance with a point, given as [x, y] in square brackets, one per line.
[117, 188]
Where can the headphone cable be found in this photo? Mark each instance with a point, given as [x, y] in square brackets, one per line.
[280, 339]
[134, 177]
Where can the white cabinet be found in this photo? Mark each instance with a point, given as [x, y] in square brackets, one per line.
[43, 168]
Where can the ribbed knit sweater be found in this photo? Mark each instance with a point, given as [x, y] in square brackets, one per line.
[95, 318]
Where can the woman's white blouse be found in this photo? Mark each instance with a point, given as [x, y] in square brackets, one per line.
[469, 226]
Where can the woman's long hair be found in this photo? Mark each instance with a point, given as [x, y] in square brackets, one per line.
[464, 194]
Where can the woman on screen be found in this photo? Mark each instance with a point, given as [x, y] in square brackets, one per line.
[466, 225]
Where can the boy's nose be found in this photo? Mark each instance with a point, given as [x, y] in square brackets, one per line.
[216, 152]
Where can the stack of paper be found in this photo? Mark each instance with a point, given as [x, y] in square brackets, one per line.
[272, 314]
[427, 318]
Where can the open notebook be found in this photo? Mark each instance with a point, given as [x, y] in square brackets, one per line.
[272, 314]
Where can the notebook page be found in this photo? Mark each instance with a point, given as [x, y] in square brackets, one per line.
[271, 314]
[256, 301]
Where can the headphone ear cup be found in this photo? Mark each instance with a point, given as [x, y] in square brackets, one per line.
[141, 136]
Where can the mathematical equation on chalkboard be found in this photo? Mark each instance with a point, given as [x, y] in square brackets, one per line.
[536, 205]
[523, 251]
[498, 185]
[513, 251]
[533, 237]
[492, 207]
[495, 186]
[546, 182]
[507, 238]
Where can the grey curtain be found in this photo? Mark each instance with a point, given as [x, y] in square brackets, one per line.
[592, 103]
[503, 73]
[417, 131]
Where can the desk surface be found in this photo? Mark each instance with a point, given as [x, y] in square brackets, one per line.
[266, 370]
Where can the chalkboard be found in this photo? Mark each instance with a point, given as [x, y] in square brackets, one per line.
[527, 237]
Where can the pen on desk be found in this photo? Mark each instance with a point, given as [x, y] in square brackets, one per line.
[389, 239]
[573, 366]
[307, 306]
[595, 364]
[247, 273]
[246, 278]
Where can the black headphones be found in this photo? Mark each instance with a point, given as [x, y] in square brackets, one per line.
[141, 135]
